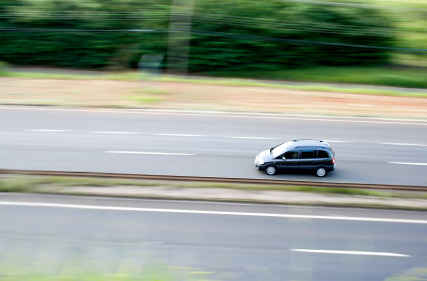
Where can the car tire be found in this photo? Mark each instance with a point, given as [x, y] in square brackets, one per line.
[320, 172]
[270, 170]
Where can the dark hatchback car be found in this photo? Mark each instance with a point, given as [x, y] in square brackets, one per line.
[297, 155]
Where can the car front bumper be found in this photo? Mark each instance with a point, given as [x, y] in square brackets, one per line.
[259, 166]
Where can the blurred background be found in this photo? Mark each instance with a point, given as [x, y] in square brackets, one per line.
[343, 57]
[379, 42]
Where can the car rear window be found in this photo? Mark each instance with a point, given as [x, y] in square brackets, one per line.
[322, 154]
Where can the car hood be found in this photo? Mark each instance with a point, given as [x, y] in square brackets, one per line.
[265, 156]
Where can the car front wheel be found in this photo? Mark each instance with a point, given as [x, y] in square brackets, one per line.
[321, 172]
[270, 170]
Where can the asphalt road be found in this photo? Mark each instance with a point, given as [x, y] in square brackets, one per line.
[216, 144]
[223, 241]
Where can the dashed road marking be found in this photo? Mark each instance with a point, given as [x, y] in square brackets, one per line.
[49, 131]
[406, 163]
[117, 133]
[337, 141]
[404, 144]
[252, 138]
[179, 135]
[376, 120]
[197, 135]
[149, 153]
[350, 253]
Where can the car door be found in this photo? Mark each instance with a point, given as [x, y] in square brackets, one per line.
[290, 163]
[324, 159]
[307, 159]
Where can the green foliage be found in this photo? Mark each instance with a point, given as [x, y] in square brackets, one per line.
[149, 274]
[286, 20]
[413, 274]
[387, 76]
[16, 184]
[4, 68]
[237, 21]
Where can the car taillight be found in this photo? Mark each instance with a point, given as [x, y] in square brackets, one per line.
[333, 160]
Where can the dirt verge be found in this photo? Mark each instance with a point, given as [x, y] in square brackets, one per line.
[191, 96]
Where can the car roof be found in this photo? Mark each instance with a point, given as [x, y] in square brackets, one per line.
[308, 143]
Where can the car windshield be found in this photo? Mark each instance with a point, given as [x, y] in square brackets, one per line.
[278, 150]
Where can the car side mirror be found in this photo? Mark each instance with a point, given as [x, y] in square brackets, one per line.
[284, 158]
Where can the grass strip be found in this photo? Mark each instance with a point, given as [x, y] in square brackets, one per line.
[25, 183]
[369, 75]
[145, 99]
[80, 273]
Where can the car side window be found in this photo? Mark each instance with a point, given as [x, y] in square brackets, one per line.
[292, 154]
[322, 154]
[307, 154]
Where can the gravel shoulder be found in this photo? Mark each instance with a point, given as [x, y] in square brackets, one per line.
[206, 97]
[255, 196]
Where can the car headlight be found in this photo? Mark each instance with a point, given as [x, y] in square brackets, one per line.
[260, 161]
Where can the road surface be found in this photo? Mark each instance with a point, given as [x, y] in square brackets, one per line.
[224, 241]
[216, 144]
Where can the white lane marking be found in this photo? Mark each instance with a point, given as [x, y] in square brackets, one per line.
[48, 130]
[253, 115]
[395, 143]
[335, 215]
[117, 133]
[337, 141]
[252, 138]
[351, 253]
[231, 137]
[406, 163]
[148, 153]
[74, 206]
[179, 135]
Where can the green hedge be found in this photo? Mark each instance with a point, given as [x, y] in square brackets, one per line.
[226, 34]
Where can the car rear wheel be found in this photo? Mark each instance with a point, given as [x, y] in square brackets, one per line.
[270, 170]
[321, 172]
